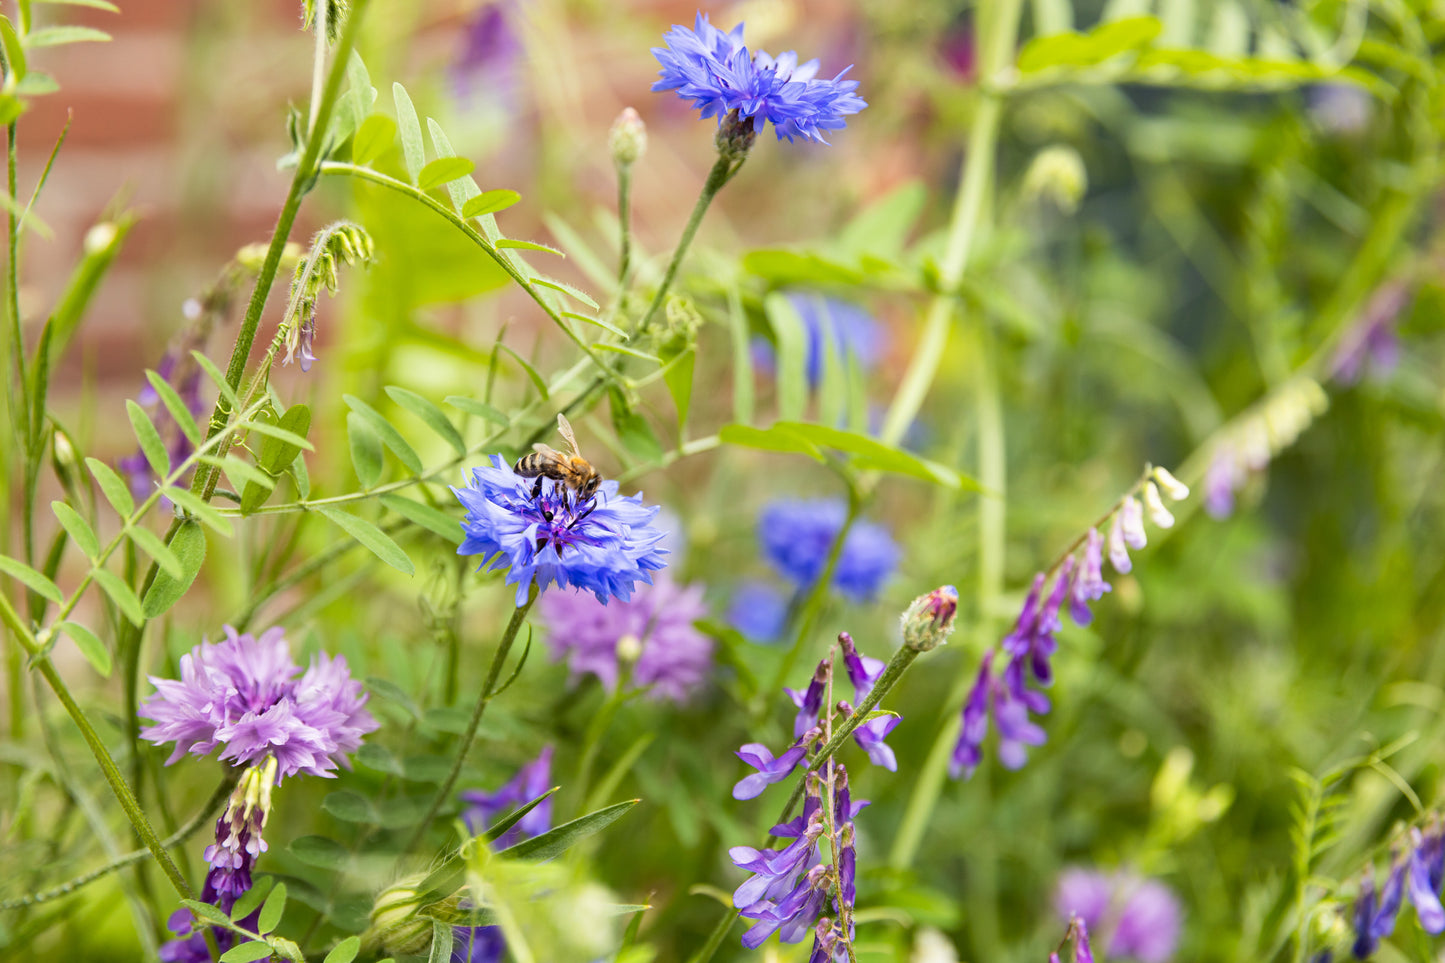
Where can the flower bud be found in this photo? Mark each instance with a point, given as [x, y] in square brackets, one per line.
[629, 649]
[1157, 512]
[1172, 486]
[1057, 173]
[1131, 520]
[394, 918]
[735, 136]
[63, 459]
[100, 237]
[627, 139]
[928, 621]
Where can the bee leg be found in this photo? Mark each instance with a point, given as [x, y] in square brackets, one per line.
[537, 488]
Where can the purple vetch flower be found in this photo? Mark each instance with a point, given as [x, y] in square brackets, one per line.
[189, 946]
[1083, 952]
[847, 332]
[243, 695]
[481, 809]
[238, 834]
[1016, 731]
[178, 369]
[968, 752]
[810, 701]
[1089, 585]
[870, 736]
[769, 770]
[797, 536]
[653, 630]
[1224, 476]
[1364, 917]
[604, 544]
[478, 944]
[1427, 866]
[863, 670]
[490, 58]
[1371, 342]
[758, 610]
[719, 75]
[1136, 918]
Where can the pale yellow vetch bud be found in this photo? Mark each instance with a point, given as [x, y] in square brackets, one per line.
[1058, 174]
[100, 237]
[931, 946]
[627, 140]
[1158, 514]
[1172, 486]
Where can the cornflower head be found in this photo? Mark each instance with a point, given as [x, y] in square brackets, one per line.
[481, 809]
[649, 637]
[1011, 695]
[542, 531]
[928, 621]
[797, 536]
[723, 79]
[243, 696]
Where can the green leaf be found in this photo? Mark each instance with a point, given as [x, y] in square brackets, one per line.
[462, 189]
[14, 50]
[479, 408]
[97, 4]
[366, 456]
[150, 543]
[116, 491]
[287, 436]
[567, 289]
[431, 519]
[207, 912]
[792, 355]
[769, 439]
[870, 454]
[412, 150]
[630, 352]
[189, 545]
[275, 903]
[89, 645]
[499, 828]
[349, 806]
[11, 106]
[217, 379]
[37, 582]
[634, 432]
[429, 413]
[278, 453]
[388, 433]
[377, 757]
[249, 900]
[392, 692]
[677, 374]
[240, 473]
[149, 438]
[1082, 50]
[320, 852]
[175, 406]
[372, 138]
[345, 951]
[444, 170]
[532, 375]
[557, 841]
[604, 325]
[194, 505]
[441, 942]
[58, 36]
[122, 595]
[512, 243]
[490, 202]
[373, 538]
[37, 84]
[247, 952]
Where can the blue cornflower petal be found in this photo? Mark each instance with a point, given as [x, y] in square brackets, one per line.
[797, 535]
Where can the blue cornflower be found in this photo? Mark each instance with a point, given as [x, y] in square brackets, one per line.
[604, 544]
[797, 535]
[719, 75]
[758, 610]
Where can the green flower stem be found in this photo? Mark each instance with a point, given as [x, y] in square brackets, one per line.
[722, 172]
[41, 660]
[444, 791]
[204, 483]
[624, 224]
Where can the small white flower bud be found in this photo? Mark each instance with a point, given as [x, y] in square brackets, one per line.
[1158, 514]
[1118, 552]
[629, 649]
[1172, 486]
[628, 138]
[1057, 173]
[99, 237]
[1131, 518]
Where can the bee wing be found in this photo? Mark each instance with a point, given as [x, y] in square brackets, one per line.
[565, 427]
[542, 449]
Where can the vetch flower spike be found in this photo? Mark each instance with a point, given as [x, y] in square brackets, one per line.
[810, 702]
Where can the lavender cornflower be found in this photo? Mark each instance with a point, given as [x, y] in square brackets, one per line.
[758, 610]
[242, 695]
[847, 332]
[532, 780]
[720, 76]
[1138, 918]
[797, 536]
[603, 544]
[666, 653]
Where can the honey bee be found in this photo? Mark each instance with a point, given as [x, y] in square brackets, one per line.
[570, 469]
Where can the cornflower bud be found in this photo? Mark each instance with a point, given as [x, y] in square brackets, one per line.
[928, 621]
[627, 140]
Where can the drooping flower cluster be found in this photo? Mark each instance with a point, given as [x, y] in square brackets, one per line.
[845, 331]
[650, 638]
[242, 695]
[540, 530]
[1134, 917]
[1012, 696]
[1418, 872]
[1372, 342]
[238, 834]
[179, 370]
[797, 536]
[1256, 437]
[720, 75]
[482, 808]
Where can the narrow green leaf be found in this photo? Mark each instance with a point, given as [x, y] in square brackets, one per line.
[769, 439]
[122, 595]
[444, 170]
[365, 446]
[276, 453]
[149, 438]
[274, 431]
[375, 756]
[78, 528]
[193, 504]
[89, 645]
[742, 358]
[630, 352]
[554, 843]
[373, 538]
[387, 432]
[97, 4]
[392, 692]
[567, 289]
[175, 406]
[150, 543]
[319, 851]
[412, 150]
[241, 474]
[513, 243]
[479, 408]
[37, 84]
[247, 952]
[372, 138]
[634, 432]
[37, 582]
[14, 50]
[604, 325]
[251, 899]
[345, 951]
[462, 189]
[870, 454]
[116, 491]
[431, 519]
[441, 943]
[429, 413]
[499, 828]
[536, 379]
[57, 36]
[272, 909]
[490, 202]
[677, 374]
[218, 379]
[349, 806]
[206, 911]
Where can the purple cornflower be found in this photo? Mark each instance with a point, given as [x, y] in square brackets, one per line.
[719, 75]
[1371, 341]
[769, 769]
[796, 537]
[653, 630]
[604, 544]
[758, 610]
[178, 369]
[810, 701]
[243, 695]
[1427, 866]
[1136, 918]
[532, 780]
[846, 331]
